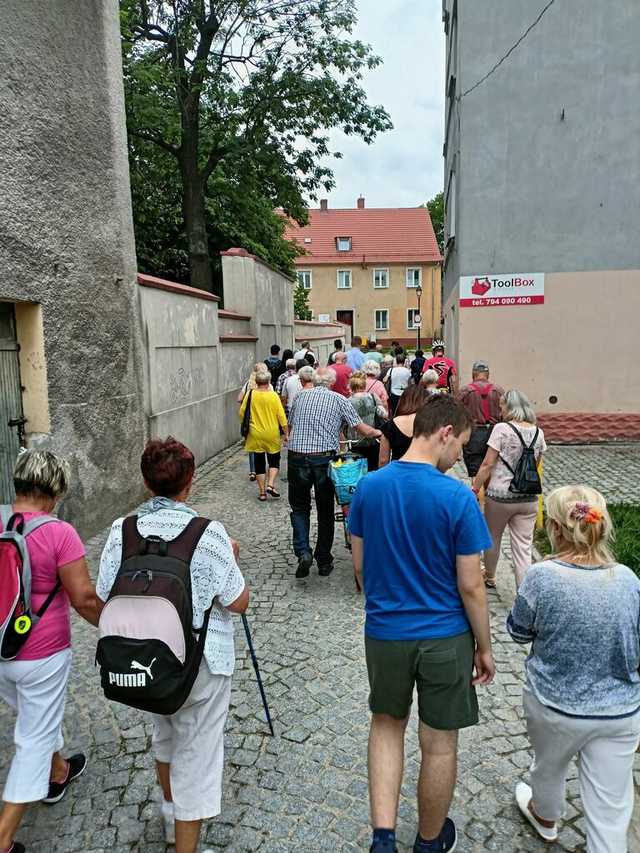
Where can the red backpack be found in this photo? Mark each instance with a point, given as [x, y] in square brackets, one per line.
[17, 619]
[483, 392]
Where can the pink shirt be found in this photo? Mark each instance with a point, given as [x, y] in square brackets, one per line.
[50, 547]
[375, 386]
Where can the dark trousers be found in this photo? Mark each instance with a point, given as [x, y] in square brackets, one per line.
[273, 460]
[474, 450]
[306, 473]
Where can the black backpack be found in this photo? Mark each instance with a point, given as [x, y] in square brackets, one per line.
[148, 655]
[526, 479]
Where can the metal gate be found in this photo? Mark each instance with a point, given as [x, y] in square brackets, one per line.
[11, 417]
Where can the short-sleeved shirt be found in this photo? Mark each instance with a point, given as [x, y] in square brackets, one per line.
[506, 442]
[316, 418]
[398, 378]
[282, 379]
[342, 372]
[415, 521]
[373, 355]
[292, 387]
[355, 358]
[267, 416]
[376, 386]
[214, 574]
[443, 366]
[50, 547]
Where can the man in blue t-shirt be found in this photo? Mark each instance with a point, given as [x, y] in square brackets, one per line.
[416, 538]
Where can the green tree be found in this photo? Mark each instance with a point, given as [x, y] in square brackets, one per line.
[435, 206]
[301, 308]
[240, 95]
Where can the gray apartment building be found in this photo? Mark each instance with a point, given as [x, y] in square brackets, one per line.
[542, 195]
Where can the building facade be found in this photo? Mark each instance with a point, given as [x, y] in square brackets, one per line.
[376, 270]
[542, 168]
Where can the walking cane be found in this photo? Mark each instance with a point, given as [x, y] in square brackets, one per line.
[254, 660]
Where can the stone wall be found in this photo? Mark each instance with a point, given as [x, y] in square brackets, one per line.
[66, 244]
[321, 337]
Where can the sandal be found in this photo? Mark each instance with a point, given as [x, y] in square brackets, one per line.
[271, 491]
[262, 497]
[252, 477]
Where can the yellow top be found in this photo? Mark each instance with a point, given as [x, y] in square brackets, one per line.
[267, 415]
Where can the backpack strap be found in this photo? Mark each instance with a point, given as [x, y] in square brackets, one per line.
[35, 523]
[483, 393]
[6, 511]
[132, 541]
[184, 545]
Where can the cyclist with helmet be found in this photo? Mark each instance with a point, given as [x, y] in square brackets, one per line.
[444, 367]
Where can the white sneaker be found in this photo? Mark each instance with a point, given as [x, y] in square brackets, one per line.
[169, 821]
[523, 798]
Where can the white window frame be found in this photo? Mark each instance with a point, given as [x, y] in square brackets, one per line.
[350, 241]
[411, 326]
[375, 320]
[350, 279]
[406, 277]
[310, 274]
[385, 270]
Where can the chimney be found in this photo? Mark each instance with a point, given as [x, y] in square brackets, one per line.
[361, 203]
[324, 204]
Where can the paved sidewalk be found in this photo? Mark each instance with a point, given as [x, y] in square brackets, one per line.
[305, 789]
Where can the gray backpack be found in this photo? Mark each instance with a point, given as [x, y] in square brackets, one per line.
[17, 620]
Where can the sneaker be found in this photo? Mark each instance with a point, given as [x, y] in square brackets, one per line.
[446, 842]
[383, 847]
[57, 790]
[16, 847]
[325, 570]
[169, 820]
[304, 564]
[523, 798]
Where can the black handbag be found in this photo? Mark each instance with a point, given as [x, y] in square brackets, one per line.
[246, 418]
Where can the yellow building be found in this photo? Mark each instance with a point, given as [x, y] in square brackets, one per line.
[375, 269]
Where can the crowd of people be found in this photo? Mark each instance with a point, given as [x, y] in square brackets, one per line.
[425, 550]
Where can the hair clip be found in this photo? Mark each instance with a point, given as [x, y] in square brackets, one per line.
[583, 512]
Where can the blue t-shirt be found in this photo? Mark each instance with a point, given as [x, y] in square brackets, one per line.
[414, 521]
[355, 358]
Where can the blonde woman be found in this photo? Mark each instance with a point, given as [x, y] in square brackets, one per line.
[267, 421]
[504, 508]
[35, 683]
[250, 385]
[581, 610]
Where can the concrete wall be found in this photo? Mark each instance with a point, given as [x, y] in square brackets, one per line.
[549, 149]
[364, 299]
[66, 242]
[321, 337]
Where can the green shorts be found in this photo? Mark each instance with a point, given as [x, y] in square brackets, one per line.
[441, 670]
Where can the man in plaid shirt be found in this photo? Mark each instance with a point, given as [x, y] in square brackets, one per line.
[315, 422]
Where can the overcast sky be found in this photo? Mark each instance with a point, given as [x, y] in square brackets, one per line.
[404, 167]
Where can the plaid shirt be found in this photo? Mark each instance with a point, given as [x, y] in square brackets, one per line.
[316, 418]
[281, 380]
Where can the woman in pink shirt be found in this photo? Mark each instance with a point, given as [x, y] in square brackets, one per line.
[374, 383]
[35, 683]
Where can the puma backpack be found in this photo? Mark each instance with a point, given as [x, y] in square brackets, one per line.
[148, 651]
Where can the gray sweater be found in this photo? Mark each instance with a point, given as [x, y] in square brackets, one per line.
[584, 624]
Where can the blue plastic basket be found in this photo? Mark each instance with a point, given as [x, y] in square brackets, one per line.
[345, 477]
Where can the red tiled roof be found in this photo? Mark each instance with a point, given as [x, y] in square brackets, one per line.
[392, 234]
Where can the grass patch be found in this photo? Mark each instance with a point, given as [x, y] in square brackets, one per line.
[626, 544]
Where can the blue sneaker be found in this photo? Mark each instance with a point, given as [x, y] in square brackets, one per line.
[383, 847]
[446, 842]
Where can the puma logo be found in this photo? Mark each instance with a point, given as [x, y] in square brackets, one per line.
[147, 669]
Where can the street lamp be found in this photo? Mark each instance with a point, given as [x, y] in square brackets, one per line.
[418, 317]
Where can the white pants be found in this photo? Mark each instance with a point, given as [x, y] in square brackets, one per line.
[37, 690]
[191, 742]
[605, 750]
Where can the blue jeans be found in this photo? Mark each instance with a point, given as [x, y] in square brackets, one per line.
[306, 473]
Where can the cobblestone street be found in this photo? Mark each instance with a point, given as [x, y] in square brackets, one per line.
[305, 789]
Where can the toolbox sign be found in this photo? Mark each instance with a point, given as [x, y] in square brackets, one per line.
[486, 291]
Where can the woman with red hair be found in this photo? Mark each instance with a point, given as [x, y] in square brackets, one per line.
[188, 745]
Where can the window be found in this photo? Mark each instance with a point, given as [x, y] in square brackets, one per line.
[380, 278]
[344, 279]
[414, 276]
[382, 319]
[343, 244]
[304, 278]
[411, 318]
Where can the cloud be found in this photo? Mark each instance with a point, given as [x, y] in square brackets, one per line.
[403, 167]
